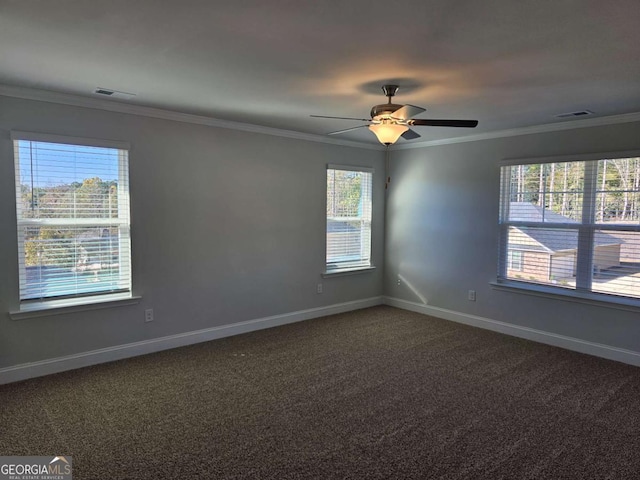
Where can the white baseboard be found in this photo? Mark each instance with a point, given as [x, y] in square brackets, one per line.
[570, 343]
[103, 355]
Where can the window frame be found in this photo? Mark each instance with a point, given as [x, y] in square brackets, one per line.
[583, 292]
[355, 267]
[513, 263]
[31, 307]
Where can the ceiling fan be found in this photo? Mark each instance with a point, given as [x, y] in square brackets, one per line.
[390, 121]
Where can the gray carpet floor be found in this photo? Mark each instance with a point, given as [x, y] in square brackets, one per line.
[376, 393]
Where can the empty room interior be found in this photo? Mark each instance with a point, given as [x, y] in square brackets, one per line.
[336, 239]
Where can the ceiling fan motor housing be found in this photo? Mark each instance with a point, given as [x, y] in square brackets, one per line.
[384, 109]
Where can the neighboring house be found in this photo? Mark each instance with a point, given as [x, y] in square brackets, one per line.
[549, 255]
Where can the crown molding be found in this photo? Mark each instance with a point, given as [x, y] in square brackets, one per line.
[119, 107]
[513, 132]
[113, 106]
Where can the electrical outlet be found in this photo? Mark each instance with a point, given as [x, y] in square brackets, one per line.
[148, 315]
[319, 288]
[472, 295]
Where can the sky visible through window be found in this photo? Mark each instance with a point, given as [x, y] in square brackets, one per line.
[45, 164]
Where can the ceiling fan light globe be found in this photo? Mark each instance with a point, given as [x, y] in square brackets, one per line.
[388, 133]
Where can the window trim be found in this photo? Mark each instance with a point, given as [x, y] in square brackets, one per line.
[569, 295]
[79, 304]
[339, 272]
[84, 141]
[349, 270]
[29, 308]
[583, 292]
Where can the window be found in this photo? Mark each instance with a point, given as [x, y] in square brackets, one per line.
[72, 202]
[572, 225]
[348, 218]
[514, 260]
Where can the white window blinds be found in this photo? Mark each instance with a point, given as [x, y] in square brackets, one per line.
[348, 217]
[73, 218]
[573, 225]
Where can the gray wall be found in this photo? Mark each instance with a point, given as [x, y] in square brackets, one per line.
[227, 226]
[442, 232]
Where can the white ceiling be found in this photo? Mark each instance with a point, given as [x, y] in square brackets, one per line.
[506, 63]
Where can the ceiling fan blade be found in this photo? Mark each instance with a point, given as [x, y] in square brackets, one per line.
[407, 111]
[346, 130]
[443, 123]
[410, 135]
[342, 118]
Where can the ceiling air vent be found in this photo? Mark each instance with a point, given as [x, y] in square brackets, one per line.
[114, 93]
[581, 113]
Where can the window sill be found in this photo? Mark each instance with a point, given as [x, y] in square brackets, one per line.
[568, 295]
[336, 272]
[60, 307]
